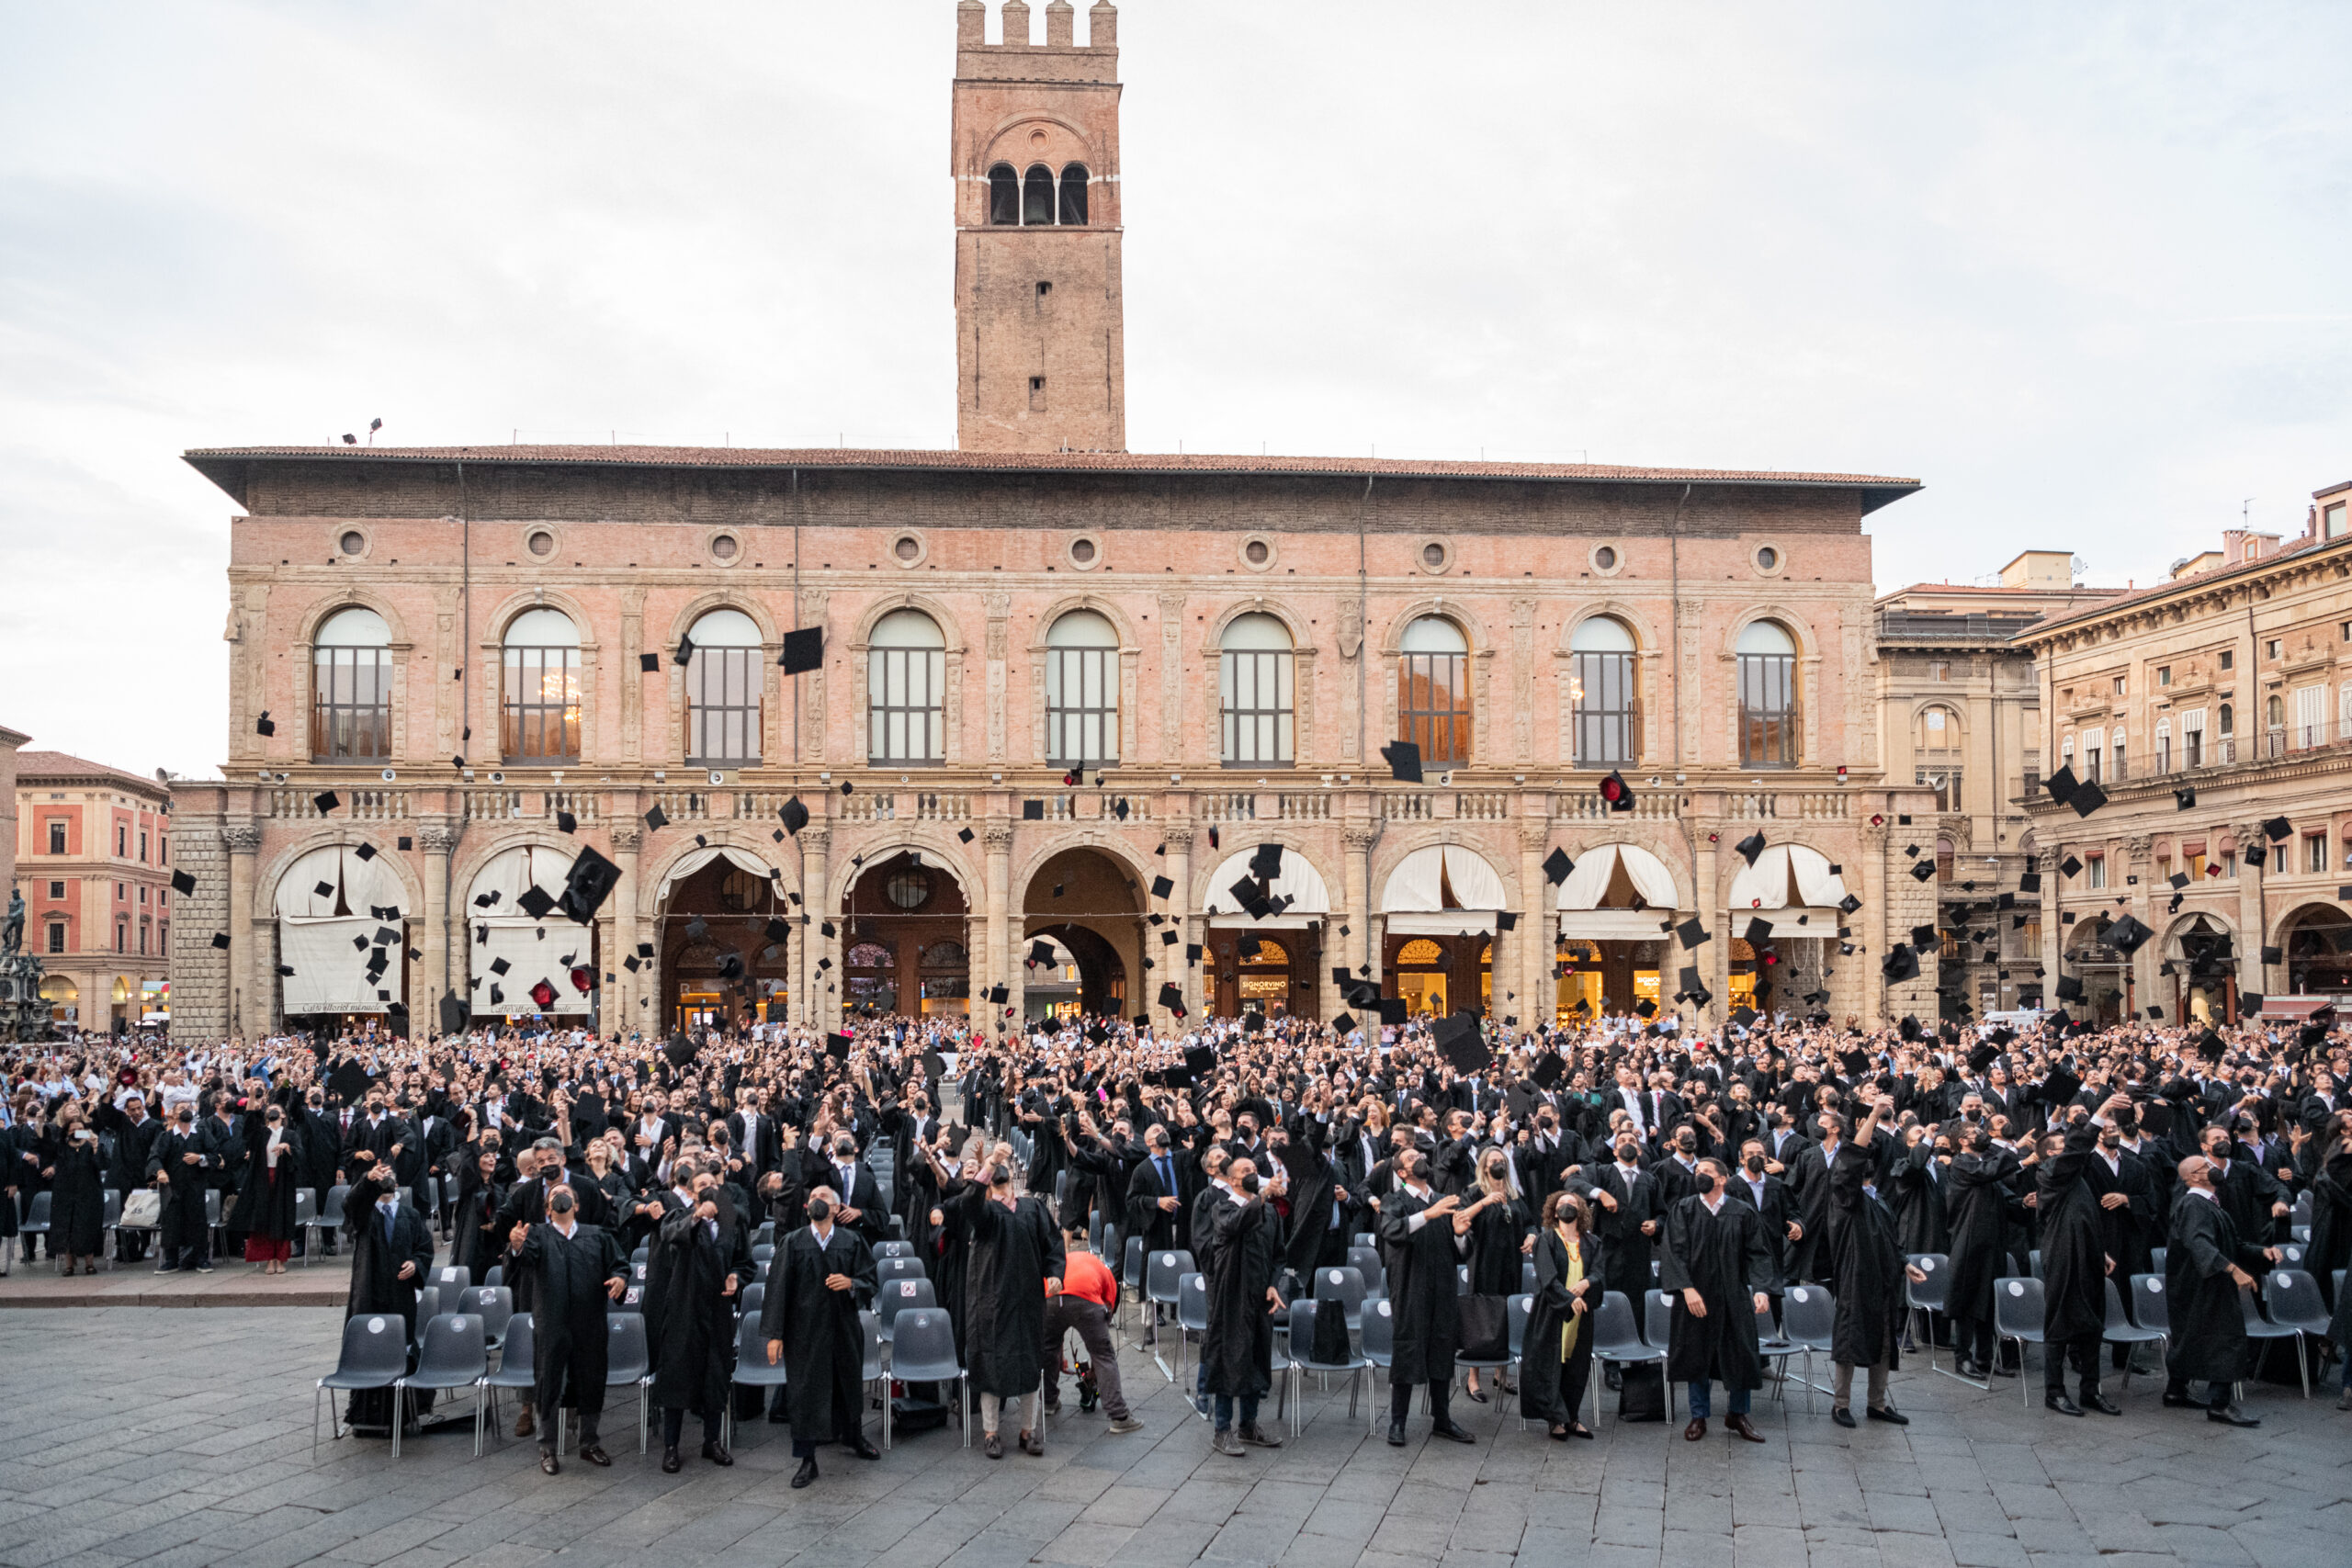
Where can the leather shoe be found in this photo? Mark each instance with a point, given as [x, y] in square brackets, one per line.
[716, 1453]
[595, 1454]
[1696, 1430]
[524, 1423]
[2093, 1400]
[1887, 1413]
[1614, 1379]
[1452, 1433]
[1739, 1427]
[2056, 1400]
[549, 1464]
[2177, 1402]
[806, 1473]
[672, 1461]
[1396, 1434]
[1843, 1417]
[864, 1449]
[2233, 1415]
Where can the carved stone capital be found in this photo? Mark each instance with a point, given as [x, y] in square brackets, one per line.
[997, 839]
[1359, 839]
[627, 839]
[436, 840]
[241, 841]
[2138, 846]
[1532, 839]
[1181, 839]
[816, 841]
[1874, 834]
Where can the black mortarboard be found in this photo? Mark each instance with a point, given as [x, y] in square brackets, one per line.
[2178, 879]
[685, 652]
[1345, 1023]
[2276, 828]
[264, 724]
[1758, 932]
[2256, 852]
[1162, 887]
[998, 994]
[2070, 866]
[535, 902]
[1249, 947]
[1616, 794]
[1922, 870]
[1033, 811]
[1170, 937]
[837, 1045]
[1267, 861]
[586, 886]
[632, 964]
[1557, 865]
[2030, 882]
[565, 822]
[2069, 988]
[1363, 994]
[1854, 1064]
[1394, 1010]
[2209, 1046]
[323, 890]
[778, 929]
[1691, 932]
[1923, 937]
[825, 928]
[326, 801]
[804, 649]
[183, 884]
[1751, 846]
[1505, 920]
[1041, 951]
[1457, 1037]
[543, 995]
[2062, 784]
[2274, 955]
[2060, 1087]
[1982, 1058]
[1689, 979]
[1849, 904]
[2184, 799]
[657, 819]
[1403, 759]
[404, 844]
[794, 815]
[1171, 999]
[2127, 934]
[680, 1050]
[1899, 965]
[1549, 1069]
[365, 852]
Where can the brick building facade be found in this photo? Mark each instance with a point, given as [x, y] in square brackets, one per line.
[1053, 673]
[94, 848]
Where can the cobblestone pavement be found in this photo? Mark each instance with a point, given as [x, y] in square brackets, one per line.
[176, 1439]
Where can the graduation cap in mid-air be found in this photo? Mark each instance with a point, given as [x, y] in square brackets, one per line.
[1394, 1009]
[1459, 1040]
[1041, 951]
[587, 884]
[1900, 964]
[657, 818]
[1033, 811]
[1266, 862]
[804, 649]
[2127, 935]
[1345, 1023]
[535, 902]
[1162, 887]
[1404, 759]
[1922, 870]
[2210, 1047]
[1849, 904]
[1549, 1070]
[648, 663]
[685, 653]
[543, 995]
[2030, 882]
[837, 1045]
[1557, 865]
[1751, 846]
[1691, 932]
[2276, 828]
[183, 884]
[1616, 794]
[2062, 784]
[326, 801]
[264, 725]
[1923, 937]
[2069, 988]
[1171, 999]
[2256, 854]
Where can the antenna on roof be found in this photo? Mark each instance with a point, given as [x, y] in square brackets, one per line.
[374, 425]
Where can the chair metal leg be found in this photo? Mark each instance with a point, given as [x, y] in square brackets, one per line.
[400, 1415]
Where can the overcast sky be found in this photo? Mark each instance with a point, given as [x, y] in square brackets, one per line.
[2086, 270]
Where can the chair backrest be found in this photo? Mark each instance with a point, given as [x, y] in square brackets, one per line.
[462, 1279]
[1462, 1278]
[494, 1302]
[2149, 1308]
[2017, 1307]
[1365, 1260]
[625, 1355]
[331, 1215]
[1192, 1301]
[765, 1254]
[870, 1330]
[888, 1268]
[454, 1353]
[891, 1249]
[1162, 1270]
[2033, 1262]
[1613, 1323]
[497, 1275]
[904, 1295]
[428, 1303]
[1935, 1290]
[2291, 1254]
[751, 1298]
[2257, 1326]
[923, 1338]
[1342, 1285]
[643, 1255]
[520, 1350]
[765, 1234]
[37, 1212]
[1527, 1275]
[1657, 1316]
[1361, 1239]
[1131, 1264]
[1520, 1307]
[211, 1206]
[2157, 1259]
[751, 1343]
[2116, 1316]
[373, 1344]
[1379, 1329]
[306, 1206]
[1808, 1315]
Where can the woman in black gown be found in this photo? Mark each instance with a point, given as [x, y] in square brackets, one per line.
[1556, 1361]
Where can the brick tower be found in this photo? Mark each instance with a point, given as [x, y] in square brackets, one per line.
[1040, 339]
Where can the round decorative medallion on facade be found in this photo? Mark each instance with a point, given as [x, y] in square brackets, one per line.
[1771, 560]
[539, 543]
[1258, 552]
[1608, 560]
[1435, 557]
[1086, 552]
[726, 546]
[909, 549]
[352, 543]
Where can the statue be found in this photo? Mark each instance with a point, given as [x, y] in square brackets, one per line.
[12, 935]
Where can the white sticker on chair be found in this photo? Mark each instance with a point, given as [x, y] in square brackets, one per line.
[375, 1326]
[2016, 1287]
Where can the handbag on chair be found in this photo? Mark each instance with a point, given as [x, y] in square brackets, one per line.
[1485, 1328]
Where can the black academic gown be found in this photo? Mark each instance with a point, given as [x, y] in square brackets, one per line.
[1722, 1256]
[2331, 1243]
[2074, 1259]
[1241, 1242]
[266, 1206]
[2209, 1338]
[183, 1221]
[1629, 1252]
[689, 1324]
[475, 1241]
[1421, 1289]
[375, 1283]
[2126, 1233]
[1866, 1260]
[1808, 1181]
[1976, 1195]
[77, 1201]
[824, 1351]
[570, 1292]
[1538, 1382]
[1013, 1252]
[1920, 1222]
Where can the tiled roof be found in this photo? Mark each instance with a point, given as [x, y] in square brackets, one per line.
[215, 464]
[2195, 582]
[33, 766]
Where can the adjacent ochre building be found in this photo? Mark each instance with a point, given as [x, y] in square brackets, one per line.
[93, 859]
[2233, 681]
[1066, 692]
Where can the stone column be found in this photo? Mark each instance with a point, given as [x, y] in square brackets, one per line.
[996, 838]
[1179, 912]
[1876, 930]
[2254, 976]
[621, 1010]
[252, 973]
[815, 840]
[1362, 945]
[2137, 850]
[425, 1011]
[2053, 930]
[1714, 957]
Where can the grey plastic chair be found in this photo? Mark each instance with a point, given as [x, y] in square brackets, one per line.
[2120, 1330]
[2018, 1313]
[428, 1307]
[765, 1254]
[1161, 1272]
[36, 1220]
[1365, 1261]
[901, 1295]
[514, 1365]
[496, 1276]
[2259, 1325]
[1131, 1276]
[922, 1349]
[1345, 1286]
[1192, 1318]
[627, 1362]
[1379, 1345]
[1808, 1319]
[1657, 1331]
[751, 1298]
[870, 1335]
[451, 1277]
[1307, 1314]
[375, 1355]
[889, 1268]
[1614, 1339]
[495, 1304]
[888, 1249]
[1932, 1295]
[455, 1356]
[751, 1369]
[2149, 1308]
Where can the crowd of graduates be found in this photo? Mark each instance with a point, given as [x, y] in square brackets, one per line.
[1723, 1171]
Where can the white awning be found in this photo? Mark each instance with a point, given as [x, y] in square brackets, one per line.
[1612, 925]
[1421, 879]
[1271, 923]
[1786, 877]
[1817, 923]
[511, 873]
[1299, 880]
[1439, 922]
[1587, 886]
[694, 860]
[361, 885]
[534, 951]
[330, 972]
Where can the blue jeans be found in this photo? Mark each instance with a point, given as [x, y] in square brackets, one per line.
[1224, 1411]
[1701, 1407]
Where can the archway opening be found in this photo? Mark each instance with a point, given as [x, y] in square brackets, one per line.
[1090, 905]
[2318, 948]
[719, 963]
[906, 933]
[1437, 912]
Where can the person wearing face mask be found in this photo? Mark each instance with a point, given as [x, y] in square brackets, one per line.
[1753, 1184]
[179, 1171]
[859, 1204]
[1241, 1239]
[272, 1162]
[1867, 1269]
[699, 1263]
[1425, 1237]
[1715, 1265]
[78, 1192]
[391, 1253]
[575, 1271]
[2208, 1265]
[2126, 1193]
[319, 1138]
[820, 1277]
[1557, 1362]
[1498, 1223]
[1977, 1198]
[1014, 1261]
[1628, 1214]
[1678, 1172]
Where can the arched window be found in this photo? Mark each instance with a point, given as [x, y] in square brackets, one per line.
[1004, 195]
[1433, 690]
[1074, 194]
[1081, 690]
[351, 688]
[1768, 696]
[906, 682]
[539, 705]
[2119, 740]
[1938, 730]
[1037, 195]
[1601, 676]
[1935, 754]
[723, 680]
[1254, 693]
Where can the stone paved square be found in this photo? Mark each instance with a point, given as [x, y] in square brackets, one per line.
[176, 1437]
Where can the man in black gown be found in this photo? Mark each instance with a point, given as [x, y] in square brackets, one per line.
[392, 1253]
[2207, 1263]
[1016, 1261]
[1717, 1264]
[698, 1262]
[575, 1269]
[1418, 1234]
[2074, 1266]
[818, 1281]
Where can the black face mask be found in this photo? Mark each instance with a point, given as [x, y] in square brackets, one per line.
[1756, 1165]
[820, 1210]
[1626, 1153]
[559, 1203]
[1706, 1183]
